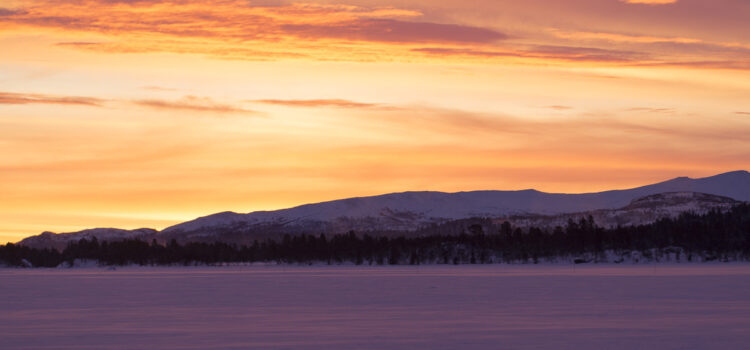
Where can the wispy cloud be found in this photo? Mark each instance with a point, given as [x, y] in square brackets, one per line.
[4, 12]
[224, 27]
[242, 30]
[390, 30]
[650, 2]
[742, 113]
[717, 64]
[561, 53]
[669, 50]
[595, 56]
[575, 53]
[596, 127]
[157, 88]
[619, 37]
[188, 103]
[452, 51]
[559, 107]
[208, 48]
[21, 98]
[650, 110]
[338, 103]
[192, 103]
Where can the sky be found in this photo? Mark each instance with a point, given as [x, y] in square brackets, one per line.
[146, 113]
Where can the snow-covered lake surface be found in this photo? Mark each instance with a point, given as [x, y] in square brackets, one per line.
[345, 307]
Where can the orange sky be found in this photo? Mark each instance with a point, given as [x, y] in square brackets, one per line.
[145, 113]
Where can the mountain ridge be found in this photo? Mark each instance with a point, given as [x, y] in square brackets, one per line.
[409, 210]
[485, 202]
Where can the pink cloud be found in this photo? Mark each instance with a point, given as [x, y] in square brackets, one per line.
[563, 53]
[390, 30]
[650, 2]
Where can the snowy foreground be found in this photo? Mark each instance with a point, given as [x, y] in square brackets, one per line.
[692, 306]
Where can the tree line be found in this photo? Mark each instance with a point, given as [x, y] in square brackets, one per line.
[716, 235]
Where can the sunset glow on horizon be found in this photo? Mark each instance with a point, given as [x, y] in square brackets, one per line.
[146, 113]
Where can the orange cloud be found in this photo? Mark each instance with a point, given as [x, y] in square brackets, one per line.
[578, 35]
[157, 88]
[584, 53]
[717, 64]
[241, 30]
[192, 103]
[545, 52]
[670, 50]
[224, 28]
[199, 169]
[466, 97]
[18, 98]
[452, 51]
[339, 103]
[190, 46]
[651, 110]
[560, 108]
[389, 30]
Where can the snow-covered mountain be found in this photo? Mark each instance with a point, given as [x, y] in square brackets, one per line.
[60, 240]
[408, 211]
[640, 211]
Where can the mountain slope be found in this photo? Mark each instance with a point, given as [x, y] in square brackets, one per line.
[409, 210]
[60, 240]
[640, 211]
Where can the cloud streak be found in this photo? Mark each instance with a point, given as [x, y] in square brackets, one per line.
[650, 110]
[559, 53]
[650, 2]
[595, 128]
[217, 27]
[8, 12]
[241, 30]
[559, 107]
[389, 30]
[20, 98]
[337, 103]
[186, 103]
[157, 88]
[192, 103]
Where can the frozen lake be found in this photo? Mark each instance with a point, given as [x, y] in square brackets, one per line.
[346, 307]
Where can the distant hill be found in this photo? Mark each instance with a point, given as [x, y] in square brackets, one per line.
[409, 211]
[640, 211]
[60, 240]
